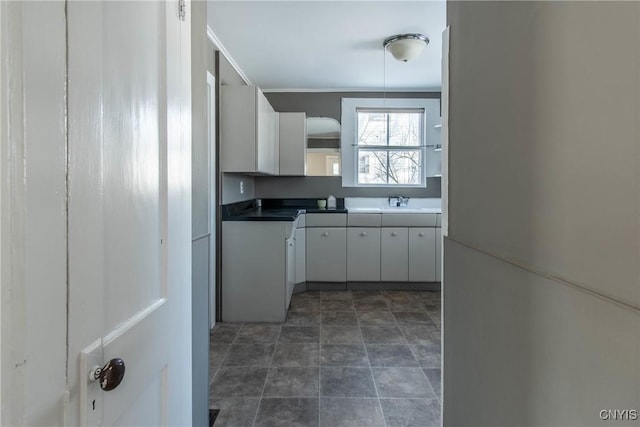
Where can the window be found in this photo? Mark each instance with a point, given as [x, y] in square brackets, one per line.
[390, 146]
[384, 141]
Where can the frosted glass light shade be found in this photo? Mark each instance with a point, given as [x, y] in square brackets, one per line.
[405, 47]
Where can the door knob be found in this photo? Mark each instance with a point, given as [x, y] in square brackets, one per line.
[110, 375]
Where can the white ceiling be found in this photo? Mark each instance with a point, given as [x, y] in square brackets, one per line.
[329, 45]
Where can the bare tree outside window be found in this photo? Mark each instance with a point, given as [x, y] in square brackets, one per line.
[391, 144]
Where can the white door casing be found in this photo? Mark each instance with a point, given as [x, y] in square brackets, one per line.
[129, 211]
[211, 139]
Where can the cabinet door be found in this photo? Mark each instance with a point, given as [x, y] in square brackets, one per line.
[293, 144]
[290, 270]
[301, 246]
[438, 254]
[422, 254]
[363, 254]
[394, 265]
[326, 255]
[266, 132]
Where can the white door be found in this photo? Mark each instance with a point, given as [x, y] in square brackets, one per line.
[129, 211]
[394, 265]
[422, 254]
[211, 137]
[363, 254]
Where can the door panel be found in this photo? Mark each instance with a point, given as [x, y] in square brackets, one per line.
[422, 254]
[326, 254]
[129, 212]
[395, 255]
[363, 254]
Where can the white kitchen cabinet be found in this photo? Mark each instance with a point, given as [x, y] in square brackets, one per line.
[394, 265]
[249, 131]
[301, 246]
[438, 254]
[363, 254]
[422, 254]
[326, 253]
[254, 271]
[290, 269]
[293, 144]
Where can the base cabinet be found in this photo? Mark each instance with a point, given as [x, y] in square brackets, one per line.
[439, 254]
[394, 255]
[290, 251]
[363, 254]
[326, 254]
[255, 273]
[422, 254]
[301, 258]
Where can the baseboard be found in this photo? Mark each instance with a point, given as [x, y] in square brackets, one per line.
[369, 286]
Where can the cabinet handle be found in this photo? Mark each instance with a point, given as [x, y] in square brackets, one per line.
[421, 234]
[394, 234]
[364, 233]
[325, 234]
[290, 244]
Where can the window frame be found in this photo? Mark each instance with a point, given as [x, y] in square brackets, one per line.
[349, 136]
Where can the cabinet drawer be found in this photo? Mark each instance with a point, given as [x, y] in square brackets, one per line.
[364, 220]
[326, 220]
[409, 220]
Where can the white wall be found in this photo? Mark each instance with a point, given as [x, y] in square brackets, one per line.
[33, 216]
[542, 276]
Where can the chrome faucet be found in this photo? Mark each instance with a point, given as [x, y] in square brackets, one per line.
[398, 201]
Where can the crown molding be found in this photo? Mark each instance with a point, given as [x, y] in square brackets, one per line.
[218, 44]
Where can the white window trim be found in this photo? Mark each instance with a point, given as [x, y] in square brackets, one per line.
[348, 134]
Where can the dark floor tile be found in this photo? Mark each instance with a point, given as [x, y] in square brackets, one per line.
[292, 412]
[371, 305]
[408, 318]
[432, 306]
[213, 370]
[366, 295]
[257, 333]
[225, 332]
[411, 412]
[391, 355]
[382, 335]
[435, 378]
[350, 413]
[302, 318]
[428, 356]
[259, 354]
[239, 382]
[217, 353]
[307, 294]
[376, 318]
[339, 318]
[405, 306]
[292, 382]
[296, 354]
[299, 334]
[235, 411]
[343, 355]
[346, 382]
[308, 304]
[336, 295]
[420, 334]
[397, 296]
[341, 335]
[336, 305]
[402, 383]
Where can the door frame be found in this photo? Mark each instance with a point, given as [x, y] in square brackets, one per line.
[213, 171]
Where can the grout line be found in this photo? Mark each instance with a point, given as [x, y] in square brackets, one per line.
[366, 352]
[264, 386]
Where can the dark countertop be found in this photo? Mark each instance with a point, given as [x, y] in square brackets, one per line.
[275, 209]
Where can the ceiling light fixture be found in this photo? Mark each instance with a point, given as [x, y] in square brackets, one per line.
[405, 47]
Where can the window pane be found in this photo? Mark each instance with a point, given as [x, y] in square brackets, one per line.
[405, 129]
[372, 128]
[372, 167]
[405, 167]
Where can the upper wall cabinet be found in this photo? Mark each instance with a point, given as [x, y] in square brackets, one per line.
[249, 132]
[293, 144]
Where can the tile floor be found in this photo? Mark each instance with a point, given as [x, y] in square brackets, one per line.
[343, 358]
